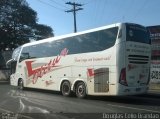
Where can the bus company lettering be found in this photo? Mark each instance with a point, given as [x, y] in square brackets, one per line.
[44, 69]
[93, 59]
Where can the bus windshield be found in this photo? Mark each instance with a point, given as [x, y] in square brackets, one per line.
[137, 33]
[16, 53]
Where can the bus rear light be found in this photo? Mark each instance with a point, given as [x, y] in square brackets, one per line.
[122, 79]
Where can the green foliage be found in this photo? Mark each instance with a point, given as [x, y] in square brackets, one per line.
[18, 24]
[43, 31]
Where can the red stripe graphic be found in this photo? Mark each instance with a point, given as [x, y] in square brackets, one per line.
[39, 72]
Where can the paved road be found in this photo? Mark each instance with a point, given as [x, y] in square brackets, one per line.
[38, 104]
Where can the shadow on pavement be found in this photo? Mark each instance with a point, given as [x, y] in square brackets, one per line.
[150, 99]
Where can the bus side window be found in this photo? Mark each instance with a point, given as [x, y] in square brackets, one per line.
[24, 56]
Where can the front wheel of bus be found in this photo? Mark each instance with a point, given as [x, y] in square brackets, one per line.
[20, 84]
[66, 89]
[81, 90]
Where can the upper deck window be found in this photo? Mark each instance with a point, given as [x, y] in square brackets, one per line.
[137, 33]
[89, 42]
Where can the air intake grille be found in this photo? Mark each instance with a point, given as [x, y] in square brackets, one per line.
[138, 59]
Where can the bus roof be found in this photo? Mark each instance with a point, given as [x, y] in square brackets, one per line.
[73, 34]
[69, 35]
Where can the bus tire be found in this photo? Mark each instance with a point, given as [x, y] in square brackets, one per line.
[20, 84]
[81, 90]
[66, 89]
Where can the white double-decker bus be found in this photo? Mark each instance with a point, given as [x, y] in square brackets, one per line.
[110, 60]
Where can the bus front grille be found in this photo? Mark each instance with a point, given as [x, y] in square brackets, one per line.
[138, 59]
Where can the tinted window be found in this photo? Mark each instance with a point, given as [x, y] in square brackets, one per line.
[90, 42]
[137, 33]
[37, 51]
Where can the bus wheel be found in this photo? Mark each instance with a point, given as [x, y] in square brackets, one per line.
[66, 88]
[20, 84]
[81, 90]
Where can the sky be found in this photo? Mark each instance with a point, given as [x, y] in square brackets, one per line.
[95, 13]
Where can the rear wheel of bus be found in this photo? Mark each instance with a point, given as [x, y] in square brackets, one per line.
[66, 88]
[81, 90]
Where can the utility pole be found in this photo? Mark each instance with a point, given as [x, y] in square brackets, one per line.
[76, 7]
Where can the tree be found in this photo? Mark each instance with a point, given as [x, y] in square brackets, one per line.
[18, 24]
[43, 31]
